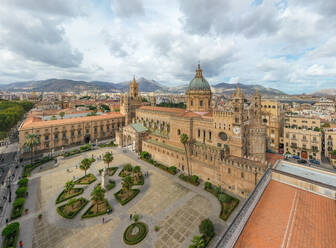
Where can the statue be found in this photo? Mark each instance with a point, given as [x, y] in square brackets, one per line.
[104, 179]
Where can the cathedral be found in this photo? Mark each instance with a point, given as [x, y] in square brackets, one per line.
[226, 148]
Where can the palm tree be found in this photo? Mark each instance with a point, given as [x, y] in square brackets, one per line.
[98, 195]
[69, 185]
[197, 242]
[127, 183]
[108, 158]
[31, 141]
[85, 164]
[184, 140]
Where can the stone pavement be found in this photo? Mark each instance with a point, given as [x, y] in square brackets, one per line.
[164, 200]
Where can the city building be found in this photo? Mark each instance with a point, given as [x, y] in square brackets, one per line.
[272, 115]
[303, 137]
[227, 148]
[330, 144]
[61, 133]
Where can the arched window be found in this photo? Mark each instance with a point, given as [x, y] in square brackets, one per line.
[178, 132]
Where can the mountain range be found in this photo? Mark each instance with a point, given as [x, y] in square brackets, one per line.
[145, 85]
[325, 92]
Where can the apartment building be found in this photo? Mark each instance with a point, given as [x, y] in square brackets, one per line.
[330, 144]
[303, 137]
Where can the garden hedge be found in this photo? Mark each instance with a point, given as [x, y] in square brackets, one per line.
[135, 239]
[58, 199]
[60, 212]
[88, 215]
[135, 192]
[11, 234]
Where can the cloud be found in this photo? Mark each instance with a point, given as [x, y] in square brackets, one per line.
[127, 9]
[37, 37]
[230, 17]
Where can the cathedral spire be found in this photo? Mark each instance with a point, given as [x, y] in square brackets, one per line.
[199, 71]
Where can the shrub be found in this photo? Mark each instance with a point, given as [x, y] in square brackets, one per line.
[21, 192]
[18, 202]
[172, 170]
[131, 239]
[23, 182]
[136, 217]
[207, 185]
[194, 178]
[145, 155]
[225, 198]
[206, 228]
[127, 167]
[10, 229]
[156, 228]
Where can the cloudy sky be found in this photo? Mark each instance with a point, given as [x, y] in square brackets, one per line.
[285, 44]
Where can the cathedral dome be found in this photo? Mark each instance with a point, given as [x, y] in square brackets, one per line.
[199, 82]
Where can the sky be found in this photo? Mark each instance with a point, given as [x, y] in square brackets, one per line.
[284, 44]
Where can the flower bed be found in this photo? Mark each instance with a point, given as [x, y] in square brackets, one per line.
[71, 209]
[111, 171]
[131, 236]
[228, 203]
[125, 197]
[194, 180]
[64, 195]
[11, 234]
[111, 185]
[126, 170]
[92, 211]
[88, 179]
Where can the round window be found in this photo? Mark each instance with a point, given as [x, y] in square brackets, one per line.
[223, 136]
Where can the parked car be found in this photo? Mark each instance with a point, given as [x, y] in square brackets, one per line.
[296, 157]
[313, 161]
[302, 161]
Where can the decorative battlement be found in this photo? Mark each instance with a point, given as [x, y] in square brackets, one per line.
[221, 114]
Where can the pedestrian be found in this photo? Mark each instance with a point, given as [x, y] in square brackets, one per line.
[130, 216]
[21, 244]
[103, 220]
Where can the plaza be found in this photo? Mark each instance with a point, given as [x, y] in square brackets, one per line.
[173, 205]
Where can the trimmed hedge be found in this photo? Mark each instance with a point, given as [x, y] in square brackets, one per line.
[123, 202]
[170, 169]
[135, 239]
[23, 182]
[11, 234]
[30, 167]
[228, 206]
[110, 144]
[21, 192]
[88, 175]
[111, 185]
[17, 209]
[194, 180]
[59, 200]
[89, 214]
[71, 215]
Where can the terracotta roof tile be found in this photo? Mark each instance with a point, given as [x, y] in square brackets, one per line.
[286, 216]
[32, 123]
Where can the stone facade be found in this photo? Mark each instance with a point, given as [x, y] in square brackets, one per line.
[303, 137]
[218, 147]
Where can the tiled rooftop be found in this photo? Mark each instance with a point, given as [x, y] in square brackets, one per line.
[35, 123]
[286, 216]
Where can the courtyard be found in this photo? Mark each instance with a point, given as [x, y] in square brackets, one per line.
[171, 208]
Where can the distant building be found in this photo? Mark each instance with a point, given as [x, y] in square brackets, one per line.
[330, 144]
[303, 137]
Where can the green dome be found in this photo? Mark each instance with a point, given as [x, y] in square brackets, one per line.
[199, 82]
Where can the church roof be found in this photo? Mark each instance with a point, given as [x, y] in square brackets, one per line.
[199, 82]
[138, 127]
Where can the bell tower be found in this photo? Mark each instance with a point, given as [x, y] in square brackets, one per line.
[238, 106]
[134, 89]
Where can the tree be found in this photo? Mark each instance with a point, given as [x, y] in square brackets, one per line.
[206, 228]
[108, 158]
[184, 140]
[98, 195]
[11, 229]
[61, 114]
[197, 242]
[127, 183]
[85, 164]
[127, 167]
[136, 169]
[31, 141]
[53, 118]
[69, 185]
